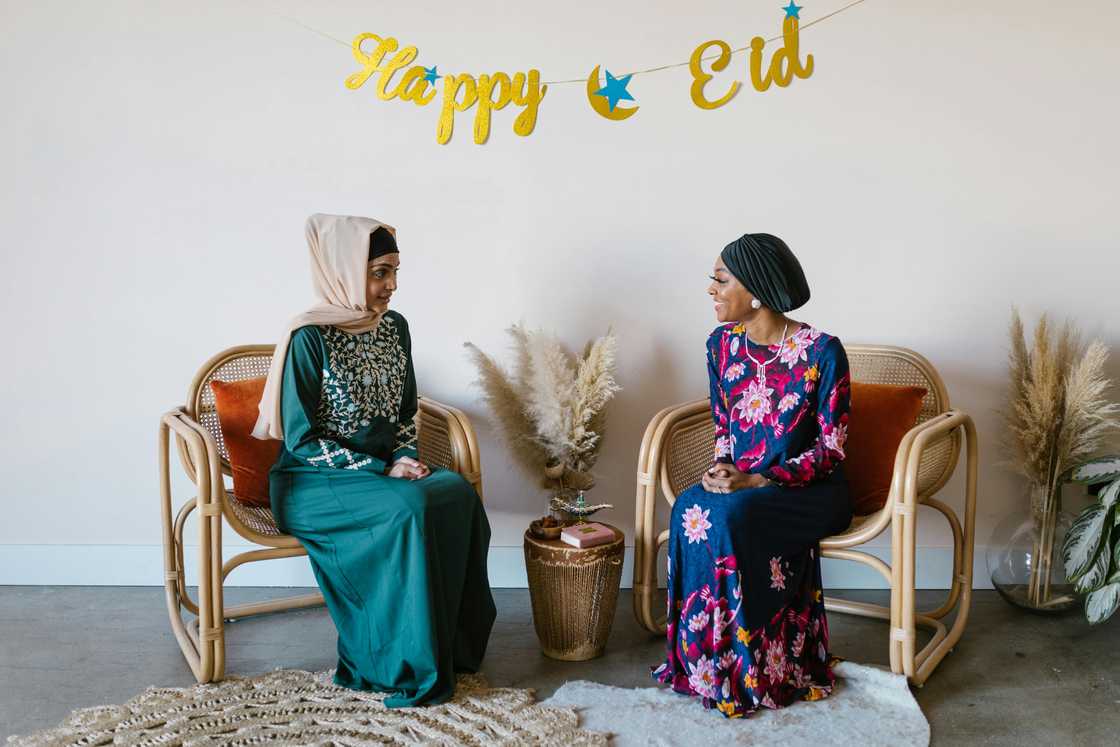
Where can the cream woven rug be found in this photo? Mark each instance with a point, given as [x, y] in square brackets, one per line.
[292, 707]
[869, 707]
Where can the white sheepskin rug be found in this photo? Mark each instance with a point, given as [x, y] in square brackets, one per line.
[869, 707]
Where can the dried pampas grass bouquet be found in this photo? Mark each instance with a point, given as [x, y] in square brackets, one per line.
[551, 408]
[1057, 416]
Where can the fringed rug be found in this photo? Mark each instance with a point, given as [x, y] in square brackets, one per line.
[305, 708]
[869, 707]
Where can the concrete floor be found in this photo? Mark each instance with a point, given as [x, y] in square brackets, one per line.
[1015, 679]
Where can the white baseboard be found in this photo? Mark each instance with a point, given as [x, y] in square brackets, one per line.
[142, 565]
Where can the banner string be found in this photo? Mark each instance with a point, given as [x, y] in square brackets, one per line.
[644, 71]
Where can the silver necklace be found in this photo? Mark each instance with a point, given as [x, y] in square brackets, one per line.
[760, 367]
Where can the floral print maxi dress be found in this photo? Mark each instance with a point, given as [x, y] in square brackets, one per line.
[746, 619]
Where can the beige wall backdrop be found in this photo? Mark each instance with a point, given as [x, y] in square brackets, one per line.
[945, 160]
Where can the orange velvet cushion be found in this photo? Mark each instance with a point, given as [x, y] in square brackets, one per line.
[250, 458]
[881, 416]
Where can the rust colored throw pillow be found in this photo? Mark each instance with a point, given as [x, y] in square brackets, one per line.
[249, 458]
[881, 416]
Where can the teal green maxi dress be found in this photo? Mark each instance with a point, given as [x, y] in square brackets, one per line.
[401, 563]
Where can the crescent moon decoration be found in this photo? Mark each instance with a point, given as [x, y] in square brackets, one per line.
[604, 100]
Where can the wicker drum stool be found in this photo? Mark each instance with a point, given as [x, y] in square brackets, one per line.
[574, 594]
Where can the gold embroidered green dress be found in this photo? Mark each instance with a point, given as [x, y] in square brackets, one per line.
[401, 563]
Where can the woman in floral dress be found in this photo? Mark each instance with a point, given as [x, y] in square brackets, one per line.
[746, 619]
[398, 549]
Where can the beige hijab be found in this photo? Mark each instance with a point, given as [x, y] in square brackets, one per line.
[339, 263]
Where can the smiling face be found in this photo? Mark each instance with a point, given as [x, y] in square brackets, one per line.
[381, 281]
[732, 300]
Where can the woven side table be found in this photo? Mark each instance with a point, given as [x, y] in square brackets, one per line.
[574, 593]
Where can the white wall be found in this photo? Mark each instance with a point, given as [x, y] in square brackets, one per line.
[945, 161]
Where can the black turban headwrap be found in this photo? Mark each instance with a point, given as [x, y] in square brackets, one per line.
[768, 269]
[381, 242]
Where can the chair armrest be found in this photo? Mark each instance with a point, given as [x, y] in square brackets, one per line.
[651, 460]
[190, 441]
[465, 456]
[917, 441]
[908, 457]
[668, 421]
[904, 490]
[199, 456]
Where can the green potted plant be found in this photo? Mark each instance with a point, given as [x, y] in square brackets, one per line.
[1091, 552]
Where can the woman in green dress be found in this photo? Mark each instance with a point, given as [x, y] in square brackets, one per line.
[399, 550]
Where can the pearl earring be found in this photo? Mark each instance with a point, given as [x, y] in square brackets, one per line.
[756, 304]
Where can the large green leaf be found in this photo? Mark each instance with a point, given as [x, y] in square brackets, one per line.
[1097, 470]
[1097, 574]
[1114, 576]
[1100, 605]
[1110, 493]
[1084, 540]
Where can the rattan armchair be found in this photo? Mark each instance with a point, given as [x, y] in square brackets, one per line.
[678, 447]
[446, 439]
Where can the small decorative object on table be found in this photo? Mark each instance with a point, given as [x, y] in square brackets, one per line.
[545, 527]
[579, 510]
[574, 593]
[587, 535]
[1056, 417]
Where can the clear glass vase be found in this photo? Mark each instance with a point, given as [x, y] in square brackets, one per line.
[1025, 560]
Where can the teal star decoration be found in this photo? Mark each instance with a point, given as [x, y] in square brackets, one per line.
[431, 76]
[793, 11]
[615, 90]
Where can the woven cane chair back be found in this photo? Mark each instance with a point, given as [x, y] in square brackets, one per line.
[690, 441]
[235, 364]
[253, 361]
[880, 364]
[690, 446]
